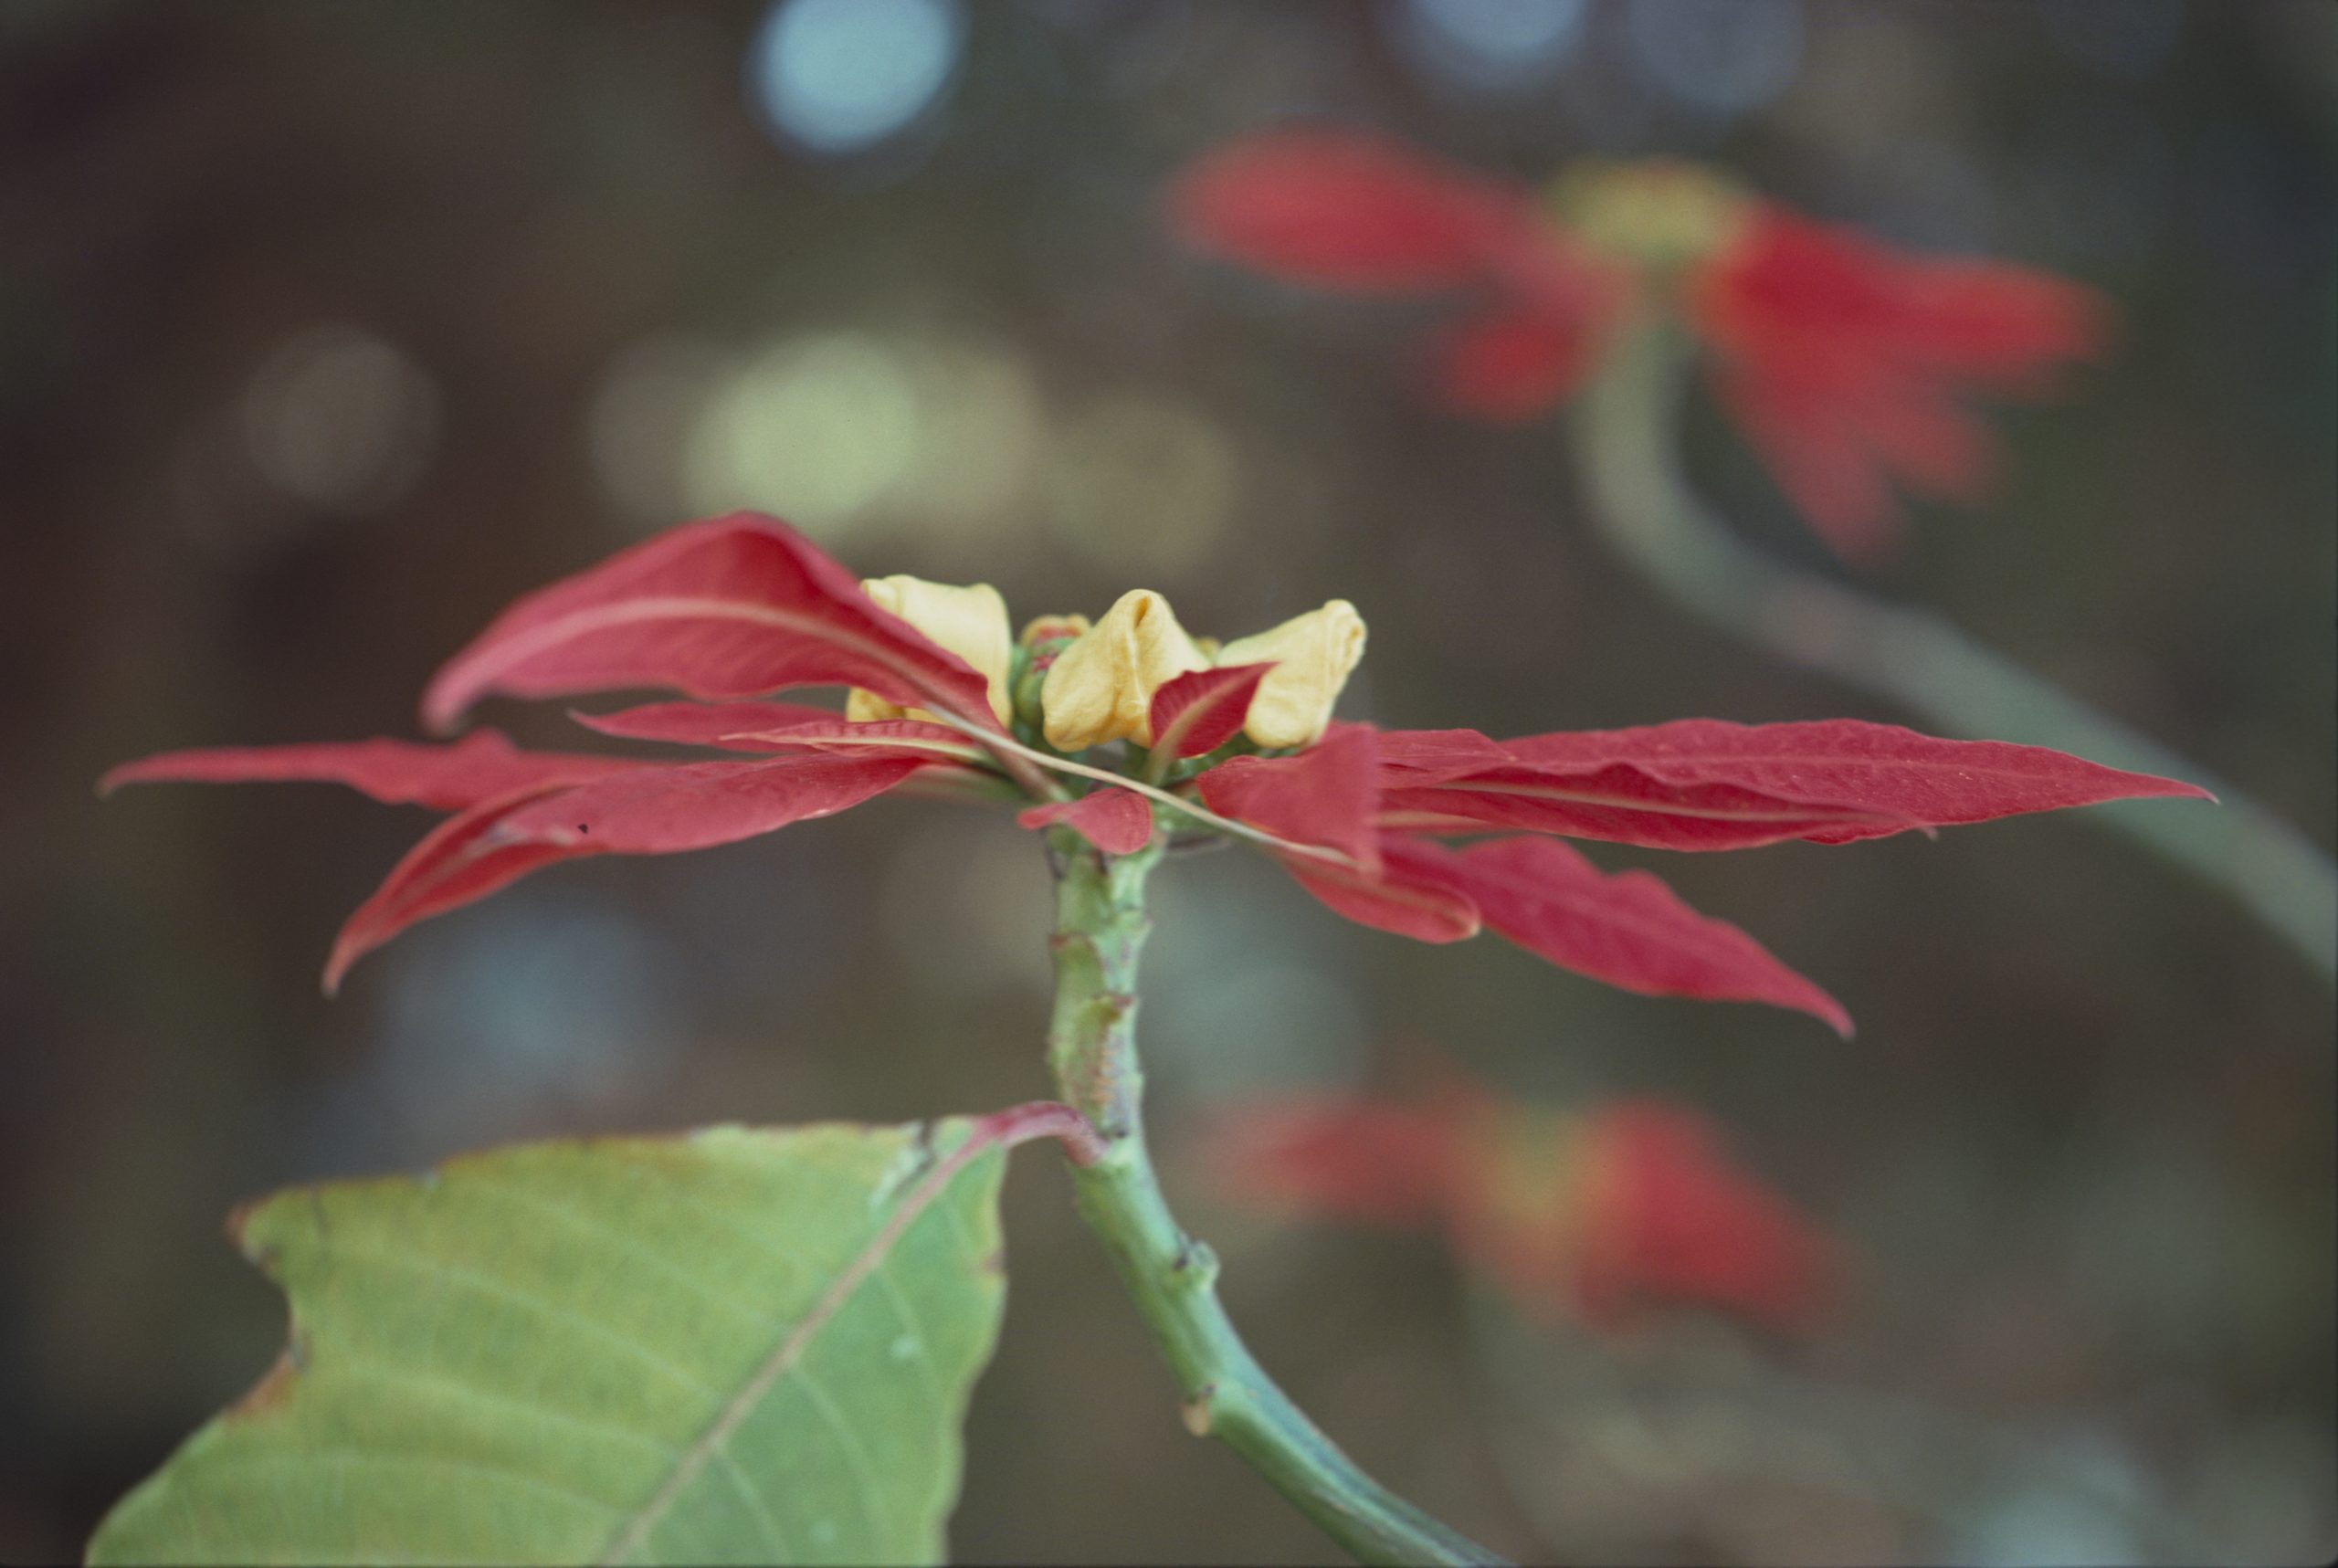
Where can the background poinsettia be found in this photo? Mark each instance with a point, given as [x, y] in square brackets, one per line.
[1845, 361]
[328, 330]
[1594, 1216]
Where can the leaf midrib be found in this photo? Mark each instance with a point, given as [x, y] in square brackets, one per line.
[714, 1442]
[527, 645]
[1540, 790]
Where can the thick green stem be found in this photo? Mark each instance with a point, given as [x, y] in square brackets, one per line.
[1100, 927]
[1623, 441]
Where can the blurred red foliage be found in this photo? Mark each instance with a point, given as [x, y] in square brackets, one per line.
[1598, 1216]
[1839, 358]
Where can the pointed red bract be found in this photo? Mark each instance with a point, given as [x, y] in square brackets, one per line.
[733, 607]
[1668, 1216]
[480, 766]
[1422, 756]
[657, 809]
[460, 860]
[1201, 711]
[1513, 362]
[1335, 1155]
[1628, 929]
[1325, 794]
[1841, 359]
[734, 726]
[1597, 1216]
[868, 738]
[1705, 784]
[1367, 215]
[1399, 898]
[1344, 211]
[1624, 804]
[695, 805]
[1845, 765]
[1117, 821]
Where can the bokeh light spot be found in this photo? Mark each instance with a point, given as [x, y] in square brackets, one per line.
[1142, 483]
[815, 430]
[1490, 45]
[838, 76]
[339, 419]
[982, 424]
[1725, 56]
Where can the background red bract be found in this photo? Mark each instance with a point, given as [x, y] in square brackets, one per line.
[327, 330]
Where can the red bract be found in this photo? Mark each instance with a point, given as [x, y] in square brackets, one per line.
[1326, 796]
[462, 859]
[1628, 929]
[696, 806]
[1350, 212]
[1366, 215]
[1598, 1216]
[859, 736]
[733, 607]
[1199, 712]
[480, 766]
[737, 605]
[1114, 820]
[1839, 358]
[1669, 1216]
[1353, 815]
[734, 726]
[1380, 1162]
[1707, 783]
[1403, 897]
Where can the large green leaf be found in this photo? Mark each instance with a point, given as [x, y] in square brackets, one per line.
[738, 1345]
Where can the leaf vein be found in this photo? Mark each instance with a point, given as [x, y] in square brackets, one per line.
[362, 1366]
[914, 1321]
[322, 1454]
[488, 1284]
[790, 1348]
[578, 1219]
[856, 1452]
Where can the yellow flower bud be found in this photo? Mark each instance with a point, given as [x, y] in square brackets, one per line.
[1652, 212]
[1312, 656]
[969, 622]
[1100, 688]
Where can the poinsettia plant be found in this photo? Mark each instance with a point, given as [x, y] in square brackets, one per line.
[1849, 365]
[1839, 357]
[757, 1344]
[1595, 1215]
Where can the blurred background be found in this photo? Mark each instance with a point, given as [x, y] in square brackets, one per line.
[326, 329]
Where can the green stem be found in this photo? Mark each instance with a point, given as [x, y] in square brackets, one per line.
[1101, 928]
[1624, 445]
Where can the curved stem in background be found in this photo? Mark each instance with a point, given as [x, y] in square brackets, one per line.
[1100, 927]
[1621, 431]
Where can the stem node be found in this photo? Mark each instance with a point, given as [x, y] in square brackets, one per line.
[1101, 928]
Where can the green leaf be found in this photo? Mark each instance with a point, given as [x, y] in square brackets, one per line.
[738, 1345]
